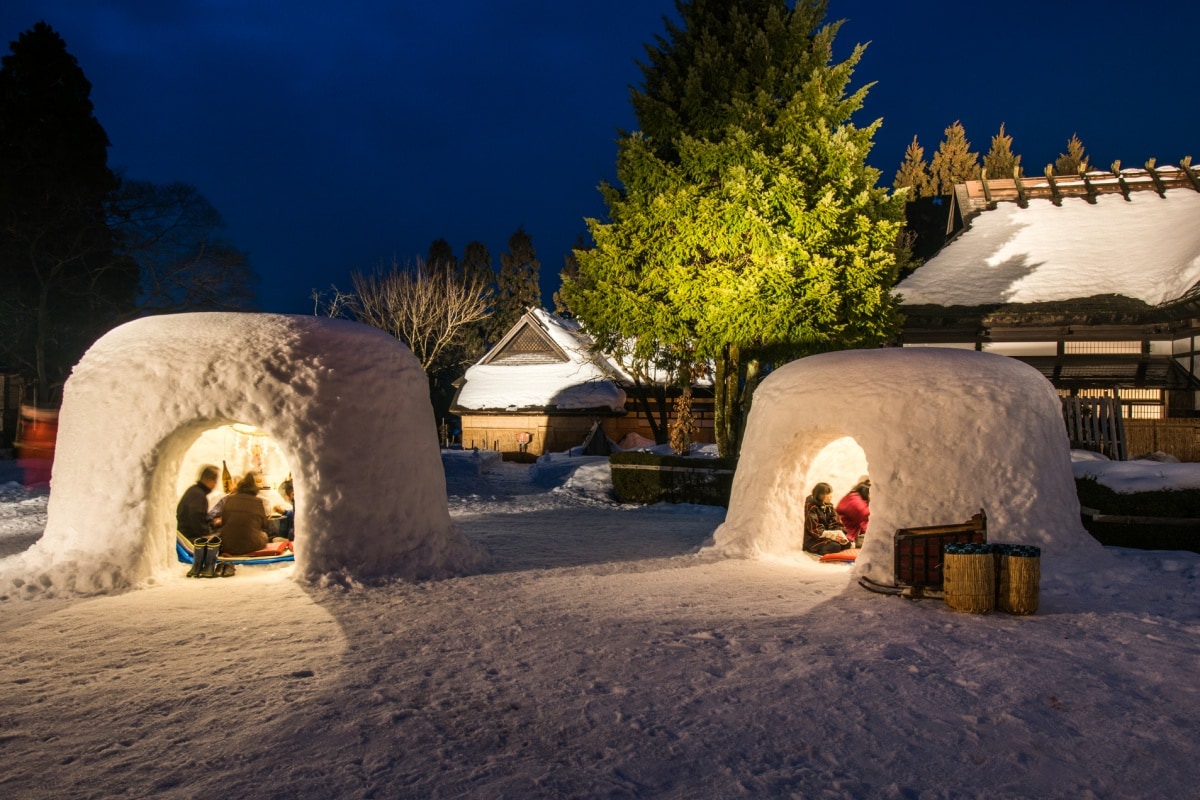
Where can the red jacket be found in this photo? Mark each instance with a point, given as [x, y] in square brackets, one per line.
[854, 513]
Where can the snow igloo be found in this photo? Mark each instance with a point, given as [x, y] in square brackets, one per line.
[942, 433]
[346, 406]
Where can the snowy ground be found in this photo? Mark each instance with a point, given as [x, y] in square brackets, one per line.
[600, 658]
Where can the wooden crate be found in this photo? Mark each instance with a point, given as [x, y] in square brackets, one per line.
[919, 551]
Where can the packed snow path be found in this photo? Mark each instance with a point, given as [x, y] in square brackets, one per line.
[602, 659]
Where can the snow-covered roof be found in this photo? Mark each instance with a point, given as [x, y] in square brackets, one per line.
[543, 363]
[1146, 247]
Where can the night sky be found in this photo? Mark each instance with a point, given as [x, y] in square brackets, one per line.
[338, 136]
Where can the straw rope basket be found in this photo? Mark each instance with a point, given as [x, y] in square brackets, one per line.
[969, 581]
[1018, 578]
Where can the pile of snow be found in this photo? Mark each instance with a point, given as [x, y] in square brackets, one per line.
[1047, 252]
[1138, 475]
[942, 433]
[347, 405]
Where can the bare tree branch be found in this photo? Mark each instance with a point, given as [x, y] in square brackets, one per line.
[434, 312]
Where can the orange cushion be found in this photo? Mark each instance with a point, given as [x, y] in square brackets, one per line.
[846, 556]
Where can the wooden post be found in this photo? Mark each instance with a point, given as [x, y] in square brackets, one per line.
[1022, 200]
[1055, 194]
[1185, 164]
[1116, 171]
[1158, 184]
[1091, 190]
[987, 192]
[1121, 441]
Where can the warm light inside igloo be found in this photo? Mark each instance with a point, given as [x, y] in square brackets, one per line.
[840, 463]
[236, 449]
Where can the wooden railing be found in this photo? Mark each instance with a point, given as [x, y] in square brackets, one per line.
[990, 190]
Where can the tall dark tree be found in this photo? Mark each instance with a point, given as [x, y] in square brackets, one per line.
[913, 174]
[176, 238]
[1000, 162]
[569, 272]
[477, 262]
[1074, 161]
[954, 162]
[441, 257]
[748, 228]
[61, 283]
[517, 287]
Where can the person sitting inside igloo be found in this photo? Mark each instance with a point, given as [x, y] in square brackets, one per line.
[824, 533]
[244, 519]
[191, 515]
[854, 510]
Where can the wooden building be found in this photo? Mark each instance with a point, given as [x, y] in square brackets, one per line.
[543, 388]
[1094, 280]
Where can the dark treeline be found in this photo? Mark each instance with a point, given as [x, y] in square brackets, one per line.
[448, 310]
[82, 248]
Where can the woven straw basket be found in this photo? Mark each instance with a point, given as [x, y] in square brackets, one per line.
[1017, 584]
[969, 582]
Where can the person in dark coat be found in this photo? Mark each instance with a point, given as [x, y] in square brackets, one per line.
[823, 531]
[854, 510]
[191, 515]
[244, 519]
[287, 524]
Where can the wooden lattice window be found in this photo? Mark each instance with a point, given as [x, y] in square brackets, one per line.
[528, 347]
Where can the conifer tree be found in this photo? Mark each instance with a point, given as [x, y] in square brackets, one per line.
[569, 272]
[441, 257]
[61, 283]
[747, 228]
[517, 287]
[953, 162]
[1000, 161]
[913, 174]
[1074, 161]
[477, 261]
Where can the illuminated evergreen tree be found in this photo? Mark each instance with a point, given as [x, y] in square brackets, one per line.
[747, 228]
[953, 163]
[913, 174]
[1074, 161]
[1000, 161]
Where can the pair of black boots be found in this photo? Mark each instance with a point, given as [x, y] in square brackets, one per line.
[205, 563]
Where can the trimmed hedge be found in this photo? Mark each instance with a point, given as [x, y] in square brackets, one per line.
[652, 478]
[1160, 503]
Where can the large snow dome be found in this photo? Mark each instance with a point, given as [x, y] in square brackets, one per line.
[942, 433]
[346, 405]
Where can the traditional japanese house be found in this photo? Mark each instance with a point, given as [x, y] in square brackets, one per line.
[1094, 280]
[545, 388]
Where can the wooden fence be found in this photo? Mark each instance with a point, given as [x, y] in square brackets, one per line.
[1096, 424]
[1179, 437]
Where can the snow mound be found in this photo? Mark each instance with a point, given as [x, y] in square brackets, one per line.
[942, 433]
[347, 404]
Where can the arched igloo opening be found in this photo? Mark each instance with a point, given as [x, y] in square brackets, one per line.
[236, 449]
[346, 404]
[819, 454]
[942, 434]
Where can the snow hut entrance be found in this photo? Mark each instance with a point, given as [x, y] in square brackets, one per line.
[237, 449]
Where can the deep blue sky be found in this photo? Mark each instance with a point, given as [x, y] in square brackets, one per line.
[336, 136]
